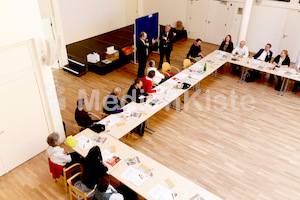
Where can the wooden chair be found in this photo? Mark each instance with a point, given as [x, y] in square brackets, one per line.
[80, 128]
[167, 69]
[58, 171]
[73, 190]
[193, 60]
[186, 63]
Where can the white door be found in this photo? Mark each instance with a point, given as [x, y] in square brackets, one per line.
[197, 18]
[218, 21]
[131, 11]
[24, 111]
[49, 33]
[291, 36]
[2, 170]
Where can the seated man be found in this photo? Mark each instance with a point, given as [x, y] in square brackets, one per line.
[195, 51]
[136, 93]
[82, 117]
[240, 51]
[113, 103]
[262, 55]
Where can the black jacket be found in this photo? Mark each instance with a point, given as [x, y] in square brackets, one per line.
[268, 57]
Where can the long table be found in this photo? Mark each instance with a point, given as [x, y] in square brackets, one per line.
[159, 180]
[183, 188]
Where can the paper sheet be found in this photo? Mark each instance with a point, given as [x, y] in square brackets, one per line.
[83, 142]
[130, 108]
[256, 62]
[157, 191]
[281, 71]
[134, 176]
[196, 76]
[197, 66]
[173, 80]
[110, 120]
[219, 56]
[173, 92]
[162, 88]
[181, 75]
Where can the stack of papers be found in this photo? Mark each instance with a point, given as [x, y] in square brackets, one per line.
[132, 161]
[109, 158]
[181, 75]
[256, 62]
[130, 109]
[83, 142]
[174, 80]
[162, 193]
[162, 88]
[198, 66]
[110, 120]
[134, 176]
[197, 76]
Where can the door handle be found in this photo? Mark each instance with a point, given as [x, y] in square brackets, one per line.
[284, 35]
[208, 22]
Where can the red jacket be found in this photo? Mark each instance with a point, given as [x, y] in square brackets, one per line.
[147, 85]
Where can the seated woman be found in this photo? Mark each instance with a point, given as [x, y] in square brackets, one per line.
[93, 168]
[147, 83]
[281, 61]
[297, 84]
[227, 44]
[159, 77]
[104, 191]
[57, 154]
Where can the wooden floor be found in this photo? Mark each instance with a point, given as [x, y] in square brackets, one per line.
[238, 141]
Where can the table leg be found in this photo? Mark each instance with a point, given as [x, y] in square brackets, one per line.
[286, 85]
[174, 105]
[214, 74]
[147, 128]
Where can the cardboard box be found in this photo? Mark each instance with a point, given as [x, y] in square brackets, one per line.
[127, 50]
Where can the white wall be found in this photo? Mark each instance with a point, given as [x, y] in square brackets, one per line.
[22, 27]
[170, 11]
[266, 25]
[83, 19]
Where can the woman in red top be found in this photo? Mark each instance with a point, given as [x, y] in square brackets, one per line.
[147, 83]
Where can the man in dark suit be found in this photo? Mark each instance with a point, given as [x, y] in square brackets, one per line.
[262, 55]
[166, 44]
[143, 52]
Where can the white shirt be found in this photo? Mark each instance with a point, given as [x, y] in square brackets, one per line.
[59, 157]
[241, 51]
[262, 56]
[158, 76]
[145, 45]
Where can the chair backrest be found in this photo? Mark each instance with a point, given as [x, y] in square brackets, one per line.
[166, 67]
[55, 169]
[186, 63]
[73, 190]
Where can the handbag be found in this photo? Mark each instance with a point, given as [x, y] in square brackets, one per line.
[97, 128]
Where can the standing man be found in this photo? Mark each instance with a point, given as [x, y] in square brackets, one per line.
[143, 53]
[166, 44]
[195, 51]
